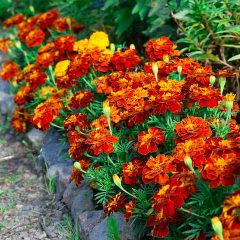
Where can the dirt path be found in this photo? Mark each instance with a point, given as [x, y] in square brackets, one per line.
[27, 210]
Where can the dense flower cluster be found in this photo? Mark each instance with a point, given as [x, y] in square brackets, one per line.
[154, 135]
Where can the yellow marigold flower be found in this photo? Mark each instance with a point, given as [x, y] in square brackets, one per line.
[230, 97]
[99, 39]
[61, 68]
[80, 46]
[46, 92]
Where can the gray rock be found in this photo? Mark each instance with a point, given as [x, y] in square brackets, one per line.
[87, 221]
[125, 229]
[4, 86]
[83, 201]
[36, 137]
[61, 172]
[72, 191]
[6, 103]
[53, 150]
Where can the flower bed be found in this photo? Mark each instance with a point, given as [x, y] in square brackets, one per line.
[155, 135]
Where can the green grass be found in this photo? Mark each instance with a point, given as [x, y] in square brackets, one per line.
[6, 207]
[68, 230]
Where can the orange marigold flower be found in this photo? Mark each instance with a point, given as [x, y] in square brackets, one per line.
[148, 140]
[46, 112]
[36, 78]
[47, 19]
[4, 43]
[76, 120]
[65, 43]
[20, 119]
[100, 122]
[101, 60]
[221, 169]
[132, 170]
[114, 204]
[205, 96]
[126, 60]
[156, 49]
[156, 169]
[81, 99]
[23, 95]
[35, 38]
[14, 20]
[9, 71]
[101, 141]
[45, 92]
[234, 131]
[45, 59]
[192, 127]
[76, 175]
[24, 29]
[129, 207]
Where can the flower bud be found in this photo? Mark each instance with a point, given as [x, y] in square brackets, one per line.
[68, 20]
[179, 69]
[106, 109]
[117, 180]
[112, 47]
[229, 98]
[31, 8]
[77, 165]
[18, 44]
[132, 46]
[222, 82]
[189, 164]
[155, 71]
[212, 80]
[217, 227]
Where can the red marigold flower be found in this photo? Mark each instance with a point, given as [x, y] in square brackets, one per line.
[47, 19]
[9, 71]
[129, 207]
[24, 29]
[4, 43]
[101, 141]
[234, 129]
[62, 24]
[36, 78]
[114, 204]
[77, 175]
[45, 59]
[20, 119]
[169, 197]
[126, 60]
[192, 127]
[148, 140]
[35, 38]
[156, 169]
[132, 170]
[23, 95]
[156, 49]
[205, 96]
[101, 59]
[81, 99]
[64, 43]
[76, 120]
[14, 20]
[46, 112]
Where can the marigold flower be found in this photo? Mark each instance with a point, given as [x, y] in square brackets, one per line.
[101, 141]
[9, 71]
[81, 99]
[23, 95]
[156, 49]
[114, 204]
[156, 169]
[36, 78]
[62, 24]
[76, 175]
[46, 112]
[20, 119]
[24, 29]
[14, 20]
[61, 68]
[45, 59]
[99, 39]
[205, 96]
[101, 60]
[76, 120]
[64, 43]
[131, 170]
[4, 43]
[35, 38]
[148, 141]
[45, 92]
[192, 127]
[129, 207]
[47, 19]
[127, 59]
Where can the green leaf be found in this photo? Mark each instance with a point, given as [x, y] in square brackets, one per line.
[234, 58]
[112, 226]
